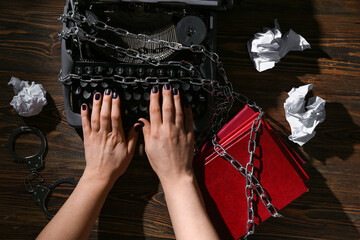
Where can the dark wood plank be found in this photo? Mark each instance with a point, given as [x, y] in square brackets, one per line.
[136, 208]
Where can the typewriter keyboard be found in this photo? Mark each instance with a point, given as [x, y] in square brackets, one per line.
[135, 96]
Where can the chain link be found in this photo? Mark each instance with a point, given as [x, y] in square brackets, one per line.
[223, 94]
[35, 175]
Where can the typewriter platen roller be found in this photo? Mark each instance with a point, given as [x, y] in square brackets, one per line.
[130, 46]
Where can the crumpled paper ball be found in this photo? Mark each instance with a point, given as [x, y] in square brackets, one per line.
[268, 47]
[303, 116]
[29, 99]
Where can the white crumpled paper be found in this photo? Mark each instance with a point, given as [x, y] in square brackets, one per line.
[29, 99]
[269, 46]
[303, 118]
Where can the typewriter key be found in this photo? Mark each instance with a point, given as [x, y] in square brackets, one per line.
[146, 96]
[145, 86]
[88, 70]
[129, 71]
[160, 72]
[181, 73]
[170, 73]
[175, 85]
[150, 72]
[143, 108]
[86, 95]
[78, 70]
[110, 71]
[134, 86]
[99, 69]
[133, 107]
[83, 84]
[136, 96]
[202, 98]
[185, 86]
[77, 91]
[196, 87]
[140, 72]
[127, 96]
[94, 84]
[105, 85]
[119, 70]
[188, 98]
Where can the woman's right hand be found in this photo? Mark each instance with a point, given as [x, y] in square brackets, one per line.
[169, 136]
[169, 145]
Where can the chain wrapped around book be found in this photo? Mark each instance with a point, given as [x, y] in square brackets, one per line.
[131, 46]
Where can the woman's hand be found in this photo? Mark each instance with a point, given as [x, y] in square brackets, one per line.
[107, 151]
[107, 154]
[169, 139]
[169, 145]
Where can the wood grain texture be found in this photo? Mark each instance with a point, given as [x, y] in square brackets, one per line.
[136, 208]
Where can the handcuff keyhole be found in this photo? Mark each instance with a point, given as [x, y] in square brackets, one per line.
[27, 144]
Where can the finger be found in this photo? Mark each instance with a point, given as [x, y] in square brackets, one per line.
[132, 137]
[95, 114]
[189, 122]
[179, 116]
[116, 122]
[168, 105]
[105, 113]
[155, 114]
[146, 128]
[85, 120]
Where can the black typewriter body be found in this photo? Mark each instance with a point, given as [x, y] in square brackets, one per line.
[94, 67]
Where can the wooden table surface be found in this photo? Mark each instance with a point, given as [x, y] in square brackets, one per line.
[136, 209]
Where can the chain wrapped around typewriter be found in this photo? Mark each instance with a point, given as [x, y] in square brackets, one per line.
[223, 94]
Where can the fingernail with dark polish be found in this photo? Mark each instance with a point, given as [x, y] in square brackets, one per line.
[155, 89]
[138, 128]
[97, 96]
[115, 95]
[167, 86]
[141, 123]
[175, 91]
[84, 107]
[107, 91]
[186, 104]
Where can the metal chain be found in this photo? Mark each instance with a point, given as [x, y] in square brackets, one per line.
[224, 95]
[252, 183]
[35, 175]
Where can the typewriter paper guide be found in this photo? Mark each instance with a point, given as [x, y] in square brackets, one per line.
[214, 3]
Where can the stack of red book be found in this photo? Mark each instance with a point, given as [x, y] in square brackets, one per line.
[277, 167]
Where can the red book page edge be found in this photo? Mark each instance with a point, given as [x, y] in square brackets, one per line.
[293, 159]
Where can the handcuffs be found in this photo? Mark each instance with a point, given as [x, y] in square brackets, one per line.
[34, 163]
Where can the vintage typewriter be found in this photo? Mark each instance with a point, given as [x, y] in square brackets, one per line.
[130, 46]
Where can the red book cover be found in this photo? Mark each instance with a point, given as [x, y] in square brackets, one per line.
[223, 187]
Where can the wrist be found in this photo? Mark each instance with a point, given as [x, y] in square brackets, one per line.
[102, 180]
[176, 184]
